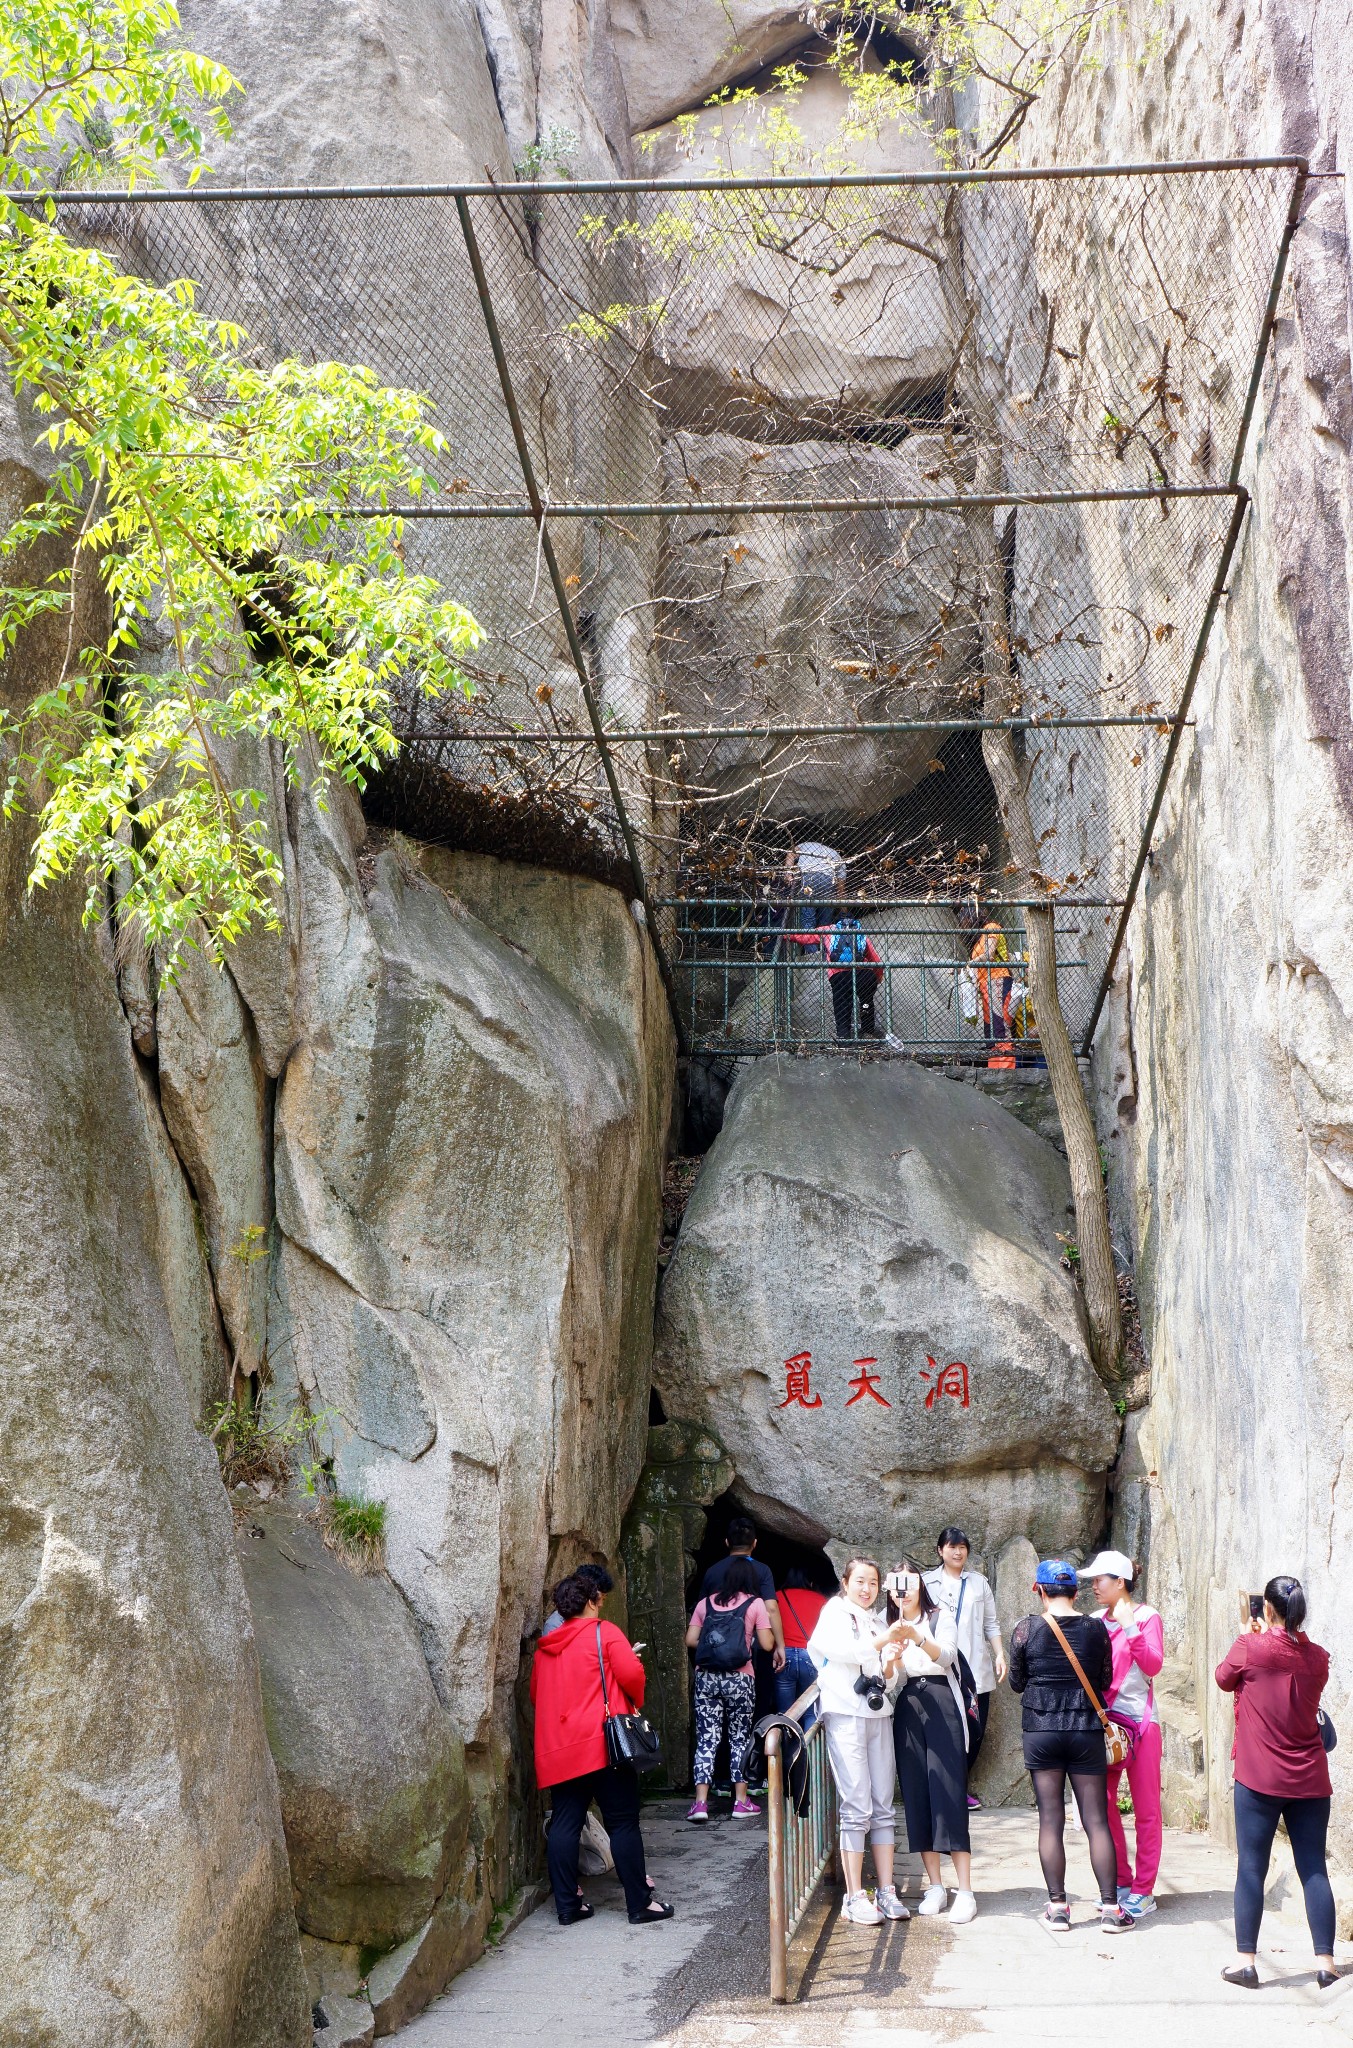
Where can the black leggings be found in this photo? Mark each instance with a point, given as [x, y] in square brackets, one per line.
[1257, 1817]
[1092, 1801]
[617, 1794]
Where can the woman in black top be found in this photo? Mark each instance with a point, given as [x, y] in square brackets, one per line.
[1064, 1737]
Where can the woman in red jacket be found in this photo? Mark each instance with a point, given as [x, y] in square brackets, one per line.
[566, 1691]
[1277, 1675]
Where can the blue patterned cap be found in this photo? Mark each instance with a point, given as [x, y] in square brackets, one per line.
[1056, 1575]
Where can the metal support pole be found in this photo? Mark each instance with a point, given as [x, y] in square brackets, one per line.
[775, 1847]
[699, 508]
[1148, 831]
[1270, 314]
[862, 729]
[535, 188]
[575, 645]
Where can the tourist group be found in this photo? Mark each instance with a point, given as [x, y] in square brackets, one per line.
[904, 1664]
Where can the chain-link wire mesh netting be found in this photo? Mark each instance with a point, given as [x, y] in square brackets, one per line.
[842, 483]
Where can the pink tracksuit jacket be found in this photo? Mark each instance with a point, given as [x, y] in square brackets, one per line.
[1138, 1653]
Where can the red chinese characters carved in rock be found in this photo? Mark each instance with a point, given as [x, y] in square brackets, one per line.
[797, 1389]
[866, 1382]
[951, 1379]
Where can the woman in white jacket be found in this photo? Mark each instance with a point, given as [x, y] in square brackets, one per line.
[930, 1730]
[845, 1648]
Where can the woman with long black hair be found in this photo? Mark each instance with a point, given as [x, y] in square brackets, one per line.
[1277, 1675]
[1064, 1736]
[931, 1740]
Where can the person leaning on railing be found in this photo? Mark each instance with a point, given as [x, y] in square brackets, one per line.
[857, 1714]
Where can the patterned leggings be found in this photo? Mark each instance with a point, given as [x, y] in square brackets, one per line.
[718, 1693]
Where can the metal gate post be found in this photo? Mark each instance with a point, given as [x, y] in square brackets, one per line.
[775, 1845]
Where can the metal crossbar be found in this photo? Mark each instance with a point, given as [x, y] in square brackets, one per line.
[751, 986]
[712, 490]
[801, 1846]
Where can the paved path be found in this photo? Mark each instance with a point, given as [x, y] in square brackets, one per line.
[699, 1981]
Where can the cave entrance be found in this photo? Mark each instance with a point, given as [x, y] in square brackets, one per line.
[783, 1557]
[779, 1553]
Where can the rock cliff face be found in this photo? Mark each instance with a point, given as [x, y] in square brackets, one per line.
[144, 1894]
[1223, 1064]
[465, 1150]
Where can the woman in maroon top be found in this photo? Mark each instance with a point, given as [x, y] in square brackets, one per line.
[1277, 1675]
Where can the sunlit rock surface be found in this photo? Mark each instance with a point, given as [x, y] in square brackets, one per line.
[879, 1220]
[1223, 1063]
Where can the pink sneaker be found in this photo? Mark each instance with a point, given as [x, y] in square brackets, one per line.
[699, 1812]
[744, 1808]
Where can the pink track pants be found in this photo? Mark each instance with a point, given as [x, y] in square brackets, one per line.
[1143, 1776]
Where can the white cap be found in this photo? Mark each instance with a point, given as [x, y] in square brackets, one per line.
[1110, 1564]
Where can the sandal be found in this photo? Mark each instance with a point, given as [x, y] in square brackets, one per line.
[580, 1910]
[653, 1912]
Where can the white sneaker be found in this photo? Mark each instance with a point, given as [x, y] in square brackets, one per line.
[935, 1900]
[859, 1907]
[889, 1904]
[964, 1908]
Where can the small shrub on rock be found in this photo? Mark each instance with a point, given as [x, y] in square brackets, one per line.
[354, 1530]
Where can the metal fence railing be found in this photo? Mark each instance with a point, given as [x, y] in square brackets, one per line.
[802, 1845]
[783, 502]
[754, 978]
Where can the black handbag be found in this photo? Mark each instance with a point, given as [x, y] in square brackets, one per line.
[629, 1737]
[1329, 1734]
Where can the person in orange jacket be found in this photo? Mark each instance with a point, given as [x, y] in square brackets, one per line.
[990, 956]
[570, 1749]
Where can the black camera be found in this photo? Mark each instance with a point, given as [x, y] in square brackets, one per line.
[870, 1690]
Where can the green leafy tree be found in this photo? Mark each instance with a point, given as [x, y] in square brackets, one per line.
[228, 524]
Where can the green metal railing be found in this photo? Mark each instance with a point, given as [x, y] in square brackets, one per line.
[802, 1847]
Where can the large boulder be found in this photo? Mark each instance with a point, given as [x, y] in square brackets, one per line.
[395, 94]
[1224, 1057]
[812, 304]
[468, 1161]
[674, 59]
[824, 619]
[879, 1220]
[369, 1764]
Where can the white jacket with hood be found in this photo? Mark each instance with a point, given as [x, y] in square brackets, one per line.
[843, 1645]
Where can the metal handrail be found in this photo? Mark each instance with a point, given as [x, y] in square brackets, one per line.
[800, 1848]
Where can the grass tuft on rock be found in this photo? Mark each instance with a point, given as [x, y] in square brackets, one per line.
[354, 1529]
